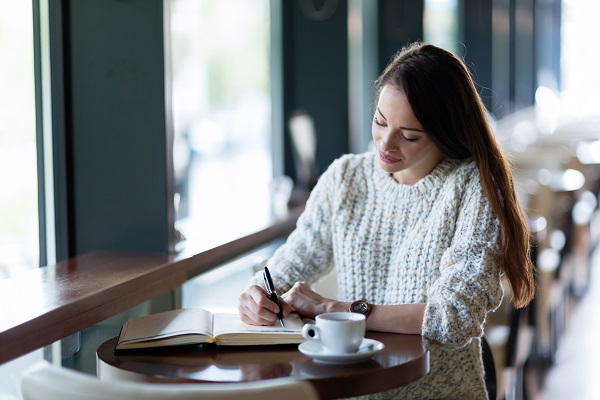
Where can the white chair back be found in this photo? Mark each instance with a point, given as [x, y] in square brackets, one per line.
[49, 382]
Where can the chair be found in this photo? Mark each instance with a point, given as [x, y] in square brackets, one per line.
[49, 382]
[509, 336]
[489, 368]
[304, 142]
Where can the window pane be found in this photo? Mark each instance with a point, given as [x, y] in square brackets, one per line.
[440, 24]
[19, 242]
[221, 109]
[580, 58]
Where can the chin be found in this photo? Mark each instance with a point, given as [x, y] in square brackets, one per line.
[389, 168]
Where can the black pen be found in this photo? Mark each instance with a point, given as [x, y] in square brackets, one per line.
[272, 294]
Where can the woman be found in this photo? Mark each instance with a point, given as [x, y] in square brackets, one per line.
[422, 228]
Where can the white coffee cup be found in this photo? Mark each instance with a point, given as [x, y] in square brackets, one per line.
[337, 332]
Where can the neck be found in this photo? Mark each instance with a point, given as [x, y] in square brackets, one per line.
[407, 177]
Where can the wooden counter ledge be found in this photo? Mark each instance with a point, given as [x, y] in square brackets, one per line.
[47, 304]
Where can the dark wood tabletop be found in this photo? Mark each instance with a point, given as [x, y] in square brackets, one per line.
[404, 359]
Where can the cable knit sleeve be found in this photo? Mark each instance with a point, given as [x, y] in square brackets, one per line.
[307, 253]
[469, 284]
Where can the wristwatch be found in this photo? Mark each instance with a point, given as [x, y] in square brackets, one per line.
[360, 307]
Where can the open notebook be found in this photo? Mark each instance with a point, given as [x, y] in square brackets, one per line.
[196, 325]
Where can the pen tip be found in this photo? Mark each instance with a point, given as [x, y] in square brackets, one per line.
[281, 322]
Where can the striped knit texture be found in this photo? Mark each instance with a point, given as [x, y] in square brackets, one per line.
[435, 242]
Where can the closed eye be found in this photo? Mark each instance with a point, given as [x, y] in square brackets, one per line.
[408, 139]
[376, 121]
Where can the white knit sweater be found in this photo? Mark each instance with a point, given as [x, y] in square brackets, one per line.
[435, 242]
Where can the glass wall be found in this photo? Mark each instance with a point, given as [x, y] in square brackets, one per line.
[440, 24]
[19, 242]
[580, 57]
[222, 114]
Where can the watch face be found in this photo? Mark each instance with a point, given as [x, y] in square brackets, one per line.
[360, 307]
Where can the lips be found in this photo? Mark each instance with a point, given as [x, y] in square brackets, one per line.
[388, 159]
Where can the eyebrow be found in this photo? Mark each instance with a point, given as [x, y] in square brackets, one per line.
[402, 127]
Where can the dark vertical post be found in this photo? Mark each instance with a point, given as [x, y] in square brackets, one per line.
[501, 58]
[315, 74]
[547, 42]
[118, 151]
[475, 21]
[400, 23]
[524, 87]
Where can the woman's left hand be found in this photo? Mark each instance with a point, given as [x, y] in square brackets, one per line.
[309, 303]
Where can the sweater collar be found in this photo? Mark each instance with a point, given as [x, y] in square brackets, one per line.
[387, 183]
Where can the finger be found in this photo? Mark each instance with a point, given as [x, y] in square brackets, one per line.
[266, 309]
[249, 317]
[255, 298]
[263, 300]
[286, 308]
[245, 317]
[256, 308]
[246, 298]
[301, 287]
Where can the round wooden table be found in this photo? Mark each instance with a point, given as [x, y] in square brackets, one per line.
[404, 359]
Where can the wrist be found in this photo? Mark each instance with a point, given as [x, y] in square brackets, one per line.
[337, 306]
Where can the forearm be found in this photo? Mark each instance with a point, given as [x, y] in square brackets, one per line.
[400, 318]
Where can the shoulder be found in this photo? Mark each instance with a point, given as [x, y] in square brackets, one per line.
[344, 177]
[462, 168]
[471, 199]
[463, 187]
[463, 174]
[471, 176]
[353, 161]
[349, 165]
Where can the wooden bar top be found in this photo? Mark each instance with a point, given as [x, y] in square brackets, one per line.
[44, 305]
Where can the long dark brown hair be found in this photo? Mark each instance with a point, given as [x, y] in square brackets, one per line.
[443, 97]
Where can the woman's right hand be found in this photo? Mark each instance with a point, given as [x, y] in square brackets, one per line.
[256, 308]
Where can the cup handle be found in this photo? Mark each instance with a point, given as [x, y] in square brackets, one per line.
[310, 332]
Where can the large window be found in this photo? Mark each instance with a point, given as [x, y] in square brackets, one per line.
[440, 24]
[222, 114]
[580, 57]
[19, 243]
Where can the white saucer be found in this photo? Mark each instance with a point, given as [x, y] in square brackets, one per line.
[367, 349]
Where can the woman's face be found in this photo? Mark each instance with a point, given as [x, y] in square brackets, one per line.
[405, 150]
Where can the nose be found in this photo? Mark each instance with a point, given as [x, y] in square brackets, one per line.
[388, 143]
